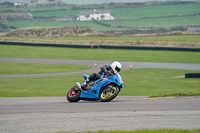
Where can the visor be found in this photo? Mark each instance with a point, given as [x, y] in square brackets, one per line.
[117, 69]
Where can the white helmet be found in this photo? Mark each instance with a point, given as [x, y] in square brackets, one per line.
[116, 66]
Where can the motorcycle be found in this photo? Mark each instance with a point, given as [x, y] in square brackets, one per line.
[103, 89]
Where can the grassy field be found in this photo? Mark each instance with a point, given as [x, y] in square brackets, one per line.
[157, 22]
[155, 11]
[143, 16]
[33, 68]
[56, 13]
[123, 12]
[146, 131]
[116, 25]
[137, 82]
[157, 16]
[158, 82]
[47, 23]
[108, 54]
[37, 86]
[173, 40]
[36, 9]
[185, 38]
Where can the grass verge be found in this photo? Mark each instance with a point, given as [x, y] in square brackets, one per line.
[99, 54]
[163, 38]
[176, 95]
[137, 82]
[158, 82]
[36, 68]
[146, 131]
[173, 40]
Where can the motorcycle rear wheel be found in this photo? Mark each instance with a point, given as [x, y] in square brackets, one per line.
[73, 96]
[108, 96]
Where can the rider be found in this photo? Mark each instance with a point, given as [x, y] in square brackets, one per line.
[105, 71]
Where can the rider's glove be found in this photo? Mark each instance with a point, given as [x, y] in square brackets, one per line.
[108, 73]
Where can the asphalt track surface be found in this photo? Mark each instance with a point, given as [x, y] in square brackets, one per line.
[53, 114]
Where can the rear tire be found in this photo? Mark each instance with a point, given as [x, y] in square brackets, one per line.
[108, 96]
[73, 96]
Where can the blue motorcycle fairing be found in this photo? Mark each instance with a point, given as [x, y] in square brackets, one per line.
[100, 83]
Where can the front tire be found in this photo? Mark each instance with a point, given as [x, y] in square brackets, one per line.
[106, 96]
[73, 96]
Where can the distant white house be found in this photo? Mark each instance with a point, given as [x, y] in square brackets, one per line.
[17, 4]
[94, 15]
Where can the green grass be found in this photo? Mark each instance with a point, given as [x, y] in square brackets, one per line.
[58, 13]
[46, 23]
[157, 16]
[99, 54]
[155, 11]
[37, 86]
[32, 23]
[145, 131]
[137, 82]
[141, 23]
[132, 13]
[34, 68]
[36, 9]
[144, 16]
[158, 22]
[158, 82]
[176, 95]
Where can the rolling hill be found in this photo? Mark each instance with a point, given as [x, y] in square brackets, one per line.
[152, 17]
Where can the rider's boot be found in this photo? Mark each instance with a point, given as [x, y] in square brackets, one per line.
[78, 86]
[83, 85]
[88, 86]
[85, 82]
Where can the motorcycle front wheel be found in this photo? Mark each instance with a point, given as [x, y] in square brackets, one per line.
[73, 96]
[107, 95]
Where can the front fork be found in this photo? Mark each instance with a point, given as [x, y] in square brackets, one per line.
[76, 89]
